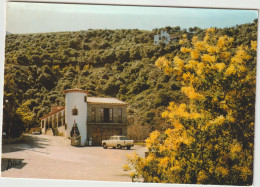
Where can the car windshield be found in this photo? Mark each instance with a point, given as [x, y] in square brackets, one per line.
[123, 138]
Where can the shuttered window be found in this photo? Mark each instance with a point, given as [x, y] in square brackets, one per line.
[93, 114]
[102, 115]
[120, 115]
[110, 115]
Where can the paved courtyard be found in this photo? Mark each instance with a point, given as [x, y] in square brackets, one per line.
[52, 157]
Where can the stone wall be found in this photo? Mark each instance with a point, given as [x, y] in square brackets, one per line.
[13, 140]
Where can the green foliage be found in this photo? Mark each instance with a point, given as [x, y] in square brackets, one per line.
[119, 63]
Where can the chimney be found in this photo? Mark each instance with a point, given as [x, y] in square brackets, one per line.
[53, 108]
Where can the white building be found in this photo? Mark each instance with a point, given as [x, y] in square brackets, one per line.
[97, 118]
[163, 37]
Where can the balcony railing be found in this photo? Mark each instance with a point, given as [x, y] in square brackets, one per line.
[98, 119]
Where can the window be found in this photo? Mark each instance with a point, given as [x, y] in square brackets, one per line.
[74, 111]
[85, 99]
[123, 138]
[120, 115]
[107, 115]
[93, 114]
[110, 115]
[42, 124]
[102, 115]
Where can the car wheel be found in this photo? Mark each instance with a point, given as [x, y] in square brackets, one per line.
[105, 146]
[119, 146]
[128, 147]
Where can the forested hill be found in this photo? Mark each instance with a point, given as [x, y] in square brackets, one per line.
[112, 63]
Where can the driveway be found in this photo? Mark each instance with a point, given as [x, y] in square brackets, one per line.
[52, 157]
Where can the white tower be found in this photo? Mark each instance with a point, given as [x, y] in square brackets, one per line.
[76, 99]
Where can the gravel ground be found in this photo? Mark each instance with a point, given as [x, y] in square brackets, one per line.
[52, 157]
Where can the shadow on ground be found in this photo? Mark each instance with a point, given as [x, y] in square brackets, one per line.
[8, 163]
[123, 149]
[29, 142]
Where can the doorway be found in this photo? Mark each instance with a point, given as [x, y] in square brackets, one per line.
[108, 115]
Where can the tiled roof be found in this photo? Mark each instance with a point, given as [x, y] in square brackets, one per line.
[75, 90]
[56, 111]
[103, 100]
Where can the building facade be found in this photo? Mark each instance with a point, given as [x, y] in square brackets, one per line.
[96, 118]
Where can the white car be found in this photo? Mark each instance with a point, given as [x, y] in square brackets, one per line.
[118, 141]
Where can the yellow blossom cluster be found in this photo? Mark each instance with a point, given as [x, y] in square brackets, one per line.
[224, 42]
[222, 170]
[219, 66]
[153, 139]
[241, 56]
[220, 120]
[175, 138]
[212, 49]
[164, 63]
[178, 62]
[244, 171]
[194, 54]
[200, 45]
[200, 68]
[194, 39]
[254, 45]
[225, 56]
[208, 58]
[188, 77]
[183, 40]
[204, 126]
[185, 50]
[126, 167]
[235, 147]
[230, 116]
[201, 176]
[164, 161]
[211, 30]
[176, 111]
[231, 70]
[191, 64]
[206, 38]
[190, 92]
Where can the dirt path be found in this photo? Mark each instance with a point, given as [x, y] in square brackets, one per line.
[52, 157]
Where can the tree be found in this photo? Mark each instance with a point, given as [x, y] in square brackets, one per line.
[27, 116]
[138, 132]
[12, 125]
[212, 136]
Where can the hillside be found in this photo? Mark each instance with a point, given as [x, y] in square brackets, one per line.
[112, 63]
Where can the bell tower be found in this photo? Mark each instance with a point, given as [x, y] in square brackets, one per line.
[76, 110]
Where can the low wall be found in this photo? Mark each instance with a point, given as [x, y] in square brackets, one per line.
[43, 130]
[61, 130]
[13, 140]
[49, 132]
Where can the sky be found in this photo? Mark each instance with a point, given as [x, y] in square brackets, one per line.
[50, 17]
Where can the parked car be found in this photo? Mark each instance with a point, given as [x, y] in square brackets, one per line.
[118, 141]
